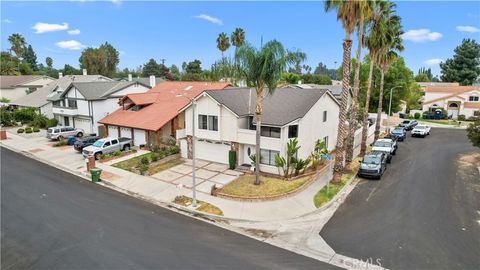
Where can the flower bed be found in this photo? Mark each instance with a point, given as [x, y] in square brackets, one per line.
[116, 154]
[201, 206]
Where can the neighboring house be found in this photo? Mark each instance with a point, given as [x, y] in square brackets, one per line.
[83, 104]
[152, 80]
[224, 121]
[456, 100]
[147, 117]
[15, 87]
[336, 90]
[423, 85]
[39, 99]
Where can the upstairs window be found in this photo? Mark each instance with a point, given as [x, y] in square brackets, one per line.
[213, 122]
[72, 103]
[208, 122]
[272, 132]
[324, 116]
[293, 131]
[473, 98]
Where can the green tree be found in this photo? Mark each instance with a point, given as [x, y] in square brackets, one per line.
[17, 43]
[473, 132]
[102, 60]
[422, 77]
[26, 69]
[154, 68]
[348, 13]
[194, 66]
[291, 78]
[464, 67]
[238, 39]
[298, 58]
[69, 70]
[30, 57]
[223, 43]
[8, 64]
[427, 72]
[262, 69]
[111, 58]
[175, 73]
[49, 62]
[316, 79]
[322, 69]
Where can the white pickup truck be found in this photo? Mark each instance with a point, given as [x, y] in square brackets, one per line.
[387, 146]
[421, 131]
[107, 146]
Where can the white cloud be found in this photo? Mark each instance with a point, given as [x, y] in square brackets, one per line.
[209, 19]
[7, 21]
[433, 61]
[70, 44]
[74, 32]
[421, 35]
[468, 29]
[49, 27]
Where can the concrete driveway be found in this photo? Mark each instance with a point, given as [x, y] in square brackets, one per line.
[207, 174]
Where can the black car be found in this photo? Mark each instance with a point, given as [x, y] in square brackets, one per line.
[373, 165]
[84, 142]
[408, 124]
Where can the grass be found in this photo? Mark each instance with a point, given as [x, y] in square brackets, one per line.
[164, 166]
[131, 163]
[135, 162]
[441, 121]
[269, 186]
[201, 205]
[329, 191]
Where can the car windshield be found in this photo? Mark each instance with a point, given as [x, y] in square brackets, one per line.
[50, 130]
[406, 122]
[398, 131]
[371, 160]
[420, 127]
[98, 144]
[381, 144]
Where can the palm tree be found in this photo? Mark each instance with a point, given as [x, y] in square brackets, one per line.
[348, 13]
[238, 39]
[18, 44]
[366, 11]
[373, 43]
[49, 62]
[262, 69]
[392, 43]
[223, 43]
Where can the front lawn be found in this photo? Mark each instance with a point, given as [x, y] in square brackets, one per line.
[269, 186]
[154, 165]
[325, 194]
[441, 122]
[132, 163]
[201, 205]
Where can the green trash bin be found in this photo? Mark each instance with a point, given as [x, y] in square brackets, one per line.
[95, 172]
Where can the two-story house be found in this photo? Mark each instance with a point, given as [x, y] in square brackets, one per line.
[225, 121]
[456, 100]
[83, 104]
[15, 87]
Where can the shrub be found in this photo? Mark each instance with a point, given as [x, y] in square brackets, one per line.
[39, 121]
[155, 157]
[170, 141]
[144, 160]
[117, 153]
[104, 156]
[36, 129]
[28, 130]
[174, 150]
[20, 130]
[6, 117]
[143, 168]
[60, 143]
[232, 159]
[52, 122]
[461, 117]
[25, 115]
[416, 115]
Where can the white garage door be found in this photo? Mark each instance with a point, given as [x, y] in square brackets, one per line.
[125, 132]
[112, 131]
[212, 151]
[139, 136]
[84, 124]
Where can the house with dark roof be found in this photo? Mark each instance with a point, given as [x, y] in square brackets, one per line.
[39, 99]
[224, 121]
[148, 117]
[336, 90]
[15, 87]
[83, 104]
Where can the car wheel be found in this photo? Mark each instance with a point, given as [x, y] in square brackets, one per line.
[126, 147]
[389, 160]
[60, 137]
[97, 156]
[79, 134]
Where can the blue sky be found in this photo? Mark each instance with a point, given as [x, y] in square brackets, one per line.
[177, 32]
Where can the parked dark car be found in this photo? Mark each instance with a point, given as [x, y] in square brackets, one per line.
[400, 133]
[409, 124]
[84, 142]
[373, 165]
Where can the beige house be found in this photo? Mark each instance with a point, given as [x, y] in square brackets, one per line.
[15, 87]
[456, 100]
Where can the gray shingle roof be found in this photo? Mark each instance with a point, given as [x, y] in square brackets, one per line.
[10, 81]
[46, 93]
[284, 106]
[336, 90]
[99, 90]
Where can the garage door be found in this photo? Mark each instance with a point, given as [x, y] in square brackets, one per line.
[125, 132]
[139, 136]
[84, 124]
[212, 151]
[112, 131]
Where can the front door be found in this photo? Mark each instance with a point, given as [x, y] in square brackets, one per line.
[453, 110]
[66, 121]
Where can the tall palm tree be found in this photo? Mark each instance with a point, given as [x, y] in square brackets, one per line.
[262, 69]
[366, 11]
[387, 55]
[49, 62]
[373, 42]
[238, 39]
[348, 13]
[223, 43]
[18, 44]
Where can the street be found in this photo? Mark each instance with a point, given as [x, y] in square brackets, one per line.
[422, 214]
[53, 220]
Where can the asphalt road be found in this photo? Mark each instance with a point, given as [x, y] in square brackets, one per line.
[423, 214]
[54, 220]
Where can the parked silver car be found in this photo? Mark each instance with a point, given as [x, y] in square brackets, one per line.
[60, 133]
[107, 146]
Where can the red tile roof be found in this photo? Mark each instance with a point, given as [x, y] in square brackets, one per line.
[472, 105]
[164, 104]
[450, 89]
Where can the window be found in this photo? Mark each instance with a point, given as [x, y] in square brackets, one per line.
[202, 121]
[272, 132]
[106, 144]
[70, 129]
[324, 116]
[66, 121]
[267, 157]
[251, 126]
[473, 98]
[57, 103]
[114, 142]
[293, 131]
[208, 122]
[213, 122]
[325, 139]
[72, 103]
